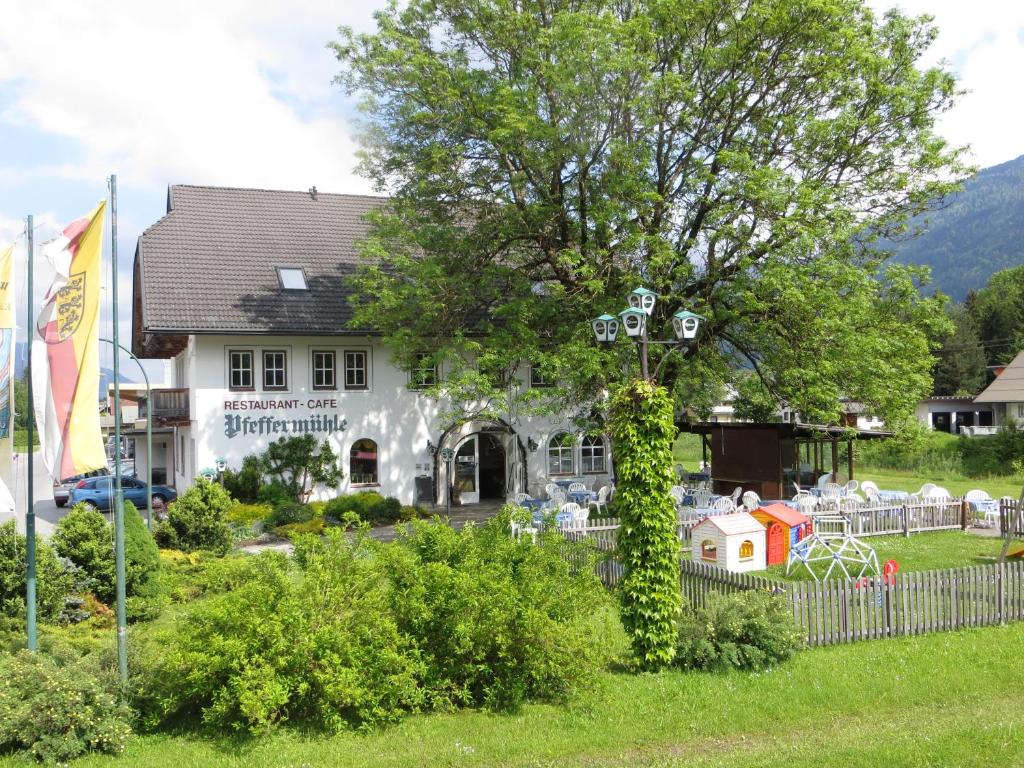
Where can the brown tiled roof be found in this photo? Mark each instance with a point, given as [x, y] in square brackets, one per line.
[209, 265]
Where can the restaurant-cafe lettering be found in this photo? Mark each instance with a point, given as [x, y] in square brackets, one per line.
[236, 425]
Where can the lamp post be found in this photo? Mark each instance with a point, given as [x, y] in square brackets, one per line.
[635, 320]
[448, 454]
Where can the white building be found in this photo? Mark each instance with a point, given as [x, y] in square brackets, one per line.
[245, 291]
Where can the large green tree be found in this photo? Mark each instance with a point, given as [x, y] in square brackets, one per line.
[544, 157]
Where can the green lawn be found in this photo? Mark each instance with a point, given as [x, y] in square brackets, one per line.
[942, 700]
[922, 552]
[893, 479]
[21, 440]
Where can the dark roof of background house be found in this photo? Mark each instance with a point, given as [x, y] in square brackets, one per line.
[209, 265]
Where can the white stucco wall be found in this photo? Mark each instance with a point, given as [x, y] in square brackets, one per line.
[230, 425]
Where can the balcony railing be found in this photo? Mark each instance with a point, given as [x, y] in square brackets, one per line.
[168, 405]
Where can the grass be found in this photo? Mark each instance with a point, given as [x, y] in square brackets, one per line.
[21, 440]
[921, 552]
[938, 700]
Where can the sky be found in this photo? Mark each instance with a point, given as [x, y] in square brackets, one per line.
[240, 93]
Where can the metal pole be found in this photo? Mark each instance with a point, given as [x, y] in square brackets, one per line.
[149, 431]
[122, 619]
[30, 513]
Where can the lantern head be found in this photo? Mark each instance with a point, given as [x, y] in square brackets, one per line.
[634, 320]
[643, 299]
[686, 324]
[606, 328]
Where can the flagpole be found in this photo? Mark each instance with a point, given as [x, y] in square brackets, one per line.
[122, 620]
[30, 512]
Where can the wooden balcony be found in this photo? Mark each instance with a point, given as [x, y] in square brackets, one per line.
[170, 406]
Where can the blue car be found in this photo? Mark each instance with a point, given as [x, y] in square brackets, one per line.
[98, 493]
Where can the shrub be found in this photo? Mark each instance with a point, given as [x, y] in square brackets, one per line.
[244, 485]
[85, 538]
[197, 520]
[316, 645]
[190, 575]
[288, 512]
[992, 455]
[55, 580]
[247, 514]
[495, 621]
[369, 506]
[57, 713]
[274, 494]
[747, 630]
[408, 513]
[315, 527]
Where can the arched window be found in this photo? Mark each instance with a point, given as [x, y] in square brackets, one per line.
[708, 550]
[560, 450]
[362, 463]
[593, 454]
[746, 550]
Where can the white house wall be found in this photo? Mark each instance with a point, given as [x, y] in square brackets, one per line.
[230, 424]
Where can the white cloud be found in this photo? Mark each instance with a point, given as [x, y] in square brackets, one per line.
[984, 43]
[227, 92]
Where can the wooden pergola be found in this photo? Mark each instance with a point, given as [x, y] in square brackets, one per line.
[772, 459]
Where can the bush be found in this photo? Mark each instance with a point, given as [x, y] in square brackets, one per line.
[57, 713]
[747, 630]
[317, 646]
[314, 527]
[495, 621]
[369, 506]
[288, 512]
[85, 538]
[247, 514]
[408, 513]
[992, 455]
[273, 494]
[197, 520]
[55, 580]
[244, 485]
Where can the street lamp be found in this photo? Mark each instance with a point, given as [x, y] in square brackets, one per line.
[448, 454]
[634, 319]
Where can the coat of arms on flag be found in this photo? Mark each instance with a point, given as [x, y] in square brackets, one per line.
[65, 352]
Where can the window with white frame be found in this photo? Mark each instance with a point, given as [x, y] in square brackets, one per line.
[292, 278]
[424, 372]
[592, 454]
[560, 454]
[324, 369]
[356, 369]
[275, 365]
[240, 373]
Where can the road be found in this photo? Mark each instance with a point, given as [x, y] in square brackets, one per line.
[47, 513]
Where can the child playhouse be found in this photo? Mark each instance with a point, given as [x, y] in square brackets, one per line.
[784, 527]
[735, 542]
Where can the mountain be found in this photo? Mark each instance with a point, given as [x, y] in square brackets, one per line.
[978, 233]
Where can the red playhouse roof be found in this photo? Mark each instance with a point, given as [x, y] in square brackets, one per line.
[785, 515]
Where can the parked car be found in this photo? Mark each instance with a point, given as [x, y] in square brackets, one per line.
[62, 488]
[98, 492]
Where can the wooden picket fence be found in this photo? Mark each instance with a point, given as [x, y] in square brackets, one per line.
[1008, 517]
[843, 611]
[908, 517]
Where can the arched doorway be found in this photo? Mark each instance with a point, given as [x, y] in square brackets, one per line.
[479, 469]
[489, 463]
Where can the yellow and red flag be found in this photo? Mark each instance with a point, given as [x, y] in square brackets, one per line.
[65, 352]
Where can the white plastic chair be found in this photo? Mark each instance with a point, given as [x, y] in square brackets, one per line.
[832, 491]
[578, 516]
[577, 488]
[702, 498]
[551, 489]
[678, 494]
[977, 495]
[926, 490]
[601, 500]
[824, 480]
[869, 487]
[751, 501]
[851, 486]
[521, 497]
[723, 504]
[736, 494]
[808, 505]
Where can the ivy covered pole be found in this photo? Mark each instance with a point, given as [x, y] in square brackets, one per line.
[642, 425]
[642, 429]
